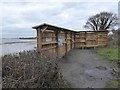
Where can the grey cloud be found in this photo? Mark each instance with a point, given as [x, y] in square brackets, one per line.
[20, 17]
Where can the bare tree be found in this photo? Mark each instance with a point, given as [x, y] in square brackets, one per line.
[102, 21]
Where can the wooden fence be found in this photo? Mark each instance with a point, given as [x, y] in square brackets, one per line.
[55, 42]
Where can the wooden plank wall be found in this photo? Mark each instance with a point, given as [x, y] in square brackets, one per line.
[77, 40]
[47, 41]
[91, 39]
[82, 39]
[49, 44]
[102, 38]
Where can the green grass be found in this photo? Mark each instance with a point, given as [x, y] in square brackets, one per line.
[109, 53]
[112, 84]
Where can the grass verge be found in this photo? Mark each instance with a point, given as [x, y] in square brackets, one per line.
[112, 84]
[110, 54]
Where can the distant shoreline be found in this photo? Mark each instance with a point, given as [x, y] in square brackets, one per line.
[21, 38]
[24, 40]
[14, 42]
[10, 45]
[27, 38]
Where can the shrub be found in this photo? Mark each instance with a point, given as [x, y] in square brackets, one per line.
[30, 69]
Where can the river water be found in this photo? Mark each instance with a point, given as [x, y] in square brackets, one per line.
[10, 46]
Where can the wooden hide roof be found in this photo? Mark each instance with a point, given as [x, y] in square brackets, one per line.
[54, 28]
[51, 27]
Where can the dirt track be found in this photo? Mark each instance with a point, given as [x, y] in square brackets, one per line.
[85, 69]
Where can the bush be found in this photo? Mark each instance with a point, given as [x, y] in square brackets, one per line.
[30, 69]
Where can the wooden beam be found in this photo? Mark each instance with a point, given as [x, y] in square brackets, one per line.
[44, 28]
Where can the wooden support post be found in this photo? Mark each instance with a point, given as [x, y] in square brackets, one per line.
[85, 37]
[65, 43]
[39, 40]
[97, 37]
[70, 40]
[107, 38]
[57, 51]
[83, 48]
[74, 41]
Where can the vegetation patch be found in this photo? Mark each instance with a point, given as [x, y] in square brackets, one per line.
[30, 69]
[109, 53]
[112, 84]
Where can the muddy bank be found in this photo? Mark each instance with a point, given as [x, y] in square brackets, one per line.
[85, 69]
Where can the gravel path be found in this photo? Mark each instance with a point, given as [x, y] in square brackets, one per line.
[85, 69]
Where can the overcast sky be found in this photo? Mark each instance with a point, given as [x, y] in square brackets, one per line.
[18, 18]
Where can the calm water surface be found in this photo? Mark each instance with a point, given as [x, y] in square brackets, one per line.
[10, 46]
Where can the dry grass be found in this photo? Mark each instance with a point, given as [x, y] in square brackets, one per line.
[30, 69]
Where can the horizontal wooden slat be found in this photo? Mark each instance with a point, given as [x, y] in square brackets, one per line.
[48, 48]
[52, 42]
